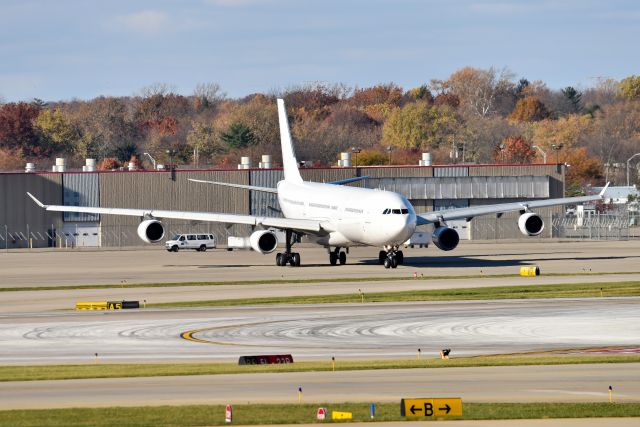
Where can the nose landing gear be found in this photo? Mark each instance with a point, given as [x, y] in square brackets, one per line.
[391, 257]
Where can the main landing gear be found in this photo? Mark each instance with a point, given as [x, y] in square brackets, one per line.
[391, 257]
[337, 255]
[288, 257]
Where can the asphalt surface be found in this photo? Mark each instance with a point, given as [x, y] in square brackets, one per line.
[573, 383]
[375, 330]
[34, 331]
[80, 267]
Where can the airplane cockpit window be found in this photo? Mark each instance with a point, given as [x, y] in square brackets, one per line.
[405, 211]
[386, 211]
[396, 211]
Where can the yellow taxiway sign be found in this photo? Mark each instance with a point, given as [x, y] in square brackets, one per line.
[431, 407]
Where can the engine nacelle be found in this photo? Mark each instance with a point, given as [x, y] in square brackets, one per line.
[263, 241]
[445, 238]
[530, 224]
[151, 231]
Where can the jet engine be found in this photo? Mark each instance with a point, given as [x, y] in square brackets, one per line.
[151, 231]
[530, 224]
[445, 238]
[263, 241]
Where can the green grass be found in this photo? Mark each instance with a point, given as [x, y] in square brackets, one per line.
[62, 372]
[209, 415]
[570, 290]
[283, 281]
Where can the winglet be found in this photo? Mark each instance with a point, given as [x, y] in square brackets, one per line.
[38, 202]
[604, 190]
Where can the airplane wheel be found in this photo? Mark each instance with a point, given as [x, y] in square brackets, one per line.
[279, 259]
[387, 263]
[295, 258]
[382, 255]
[394, 262]
[400, 257]
[343, 258]
[333, 258]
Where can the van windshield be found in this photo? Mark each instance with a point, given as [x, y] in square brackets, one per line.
[176, 237]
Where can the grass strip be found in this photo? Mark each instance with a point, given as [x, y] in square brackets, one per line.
[569, 290]
[64, 372]
[294, 281]
[210, 415]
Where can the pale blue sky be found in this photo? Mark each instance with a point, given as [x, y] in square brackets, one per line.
[64, 49]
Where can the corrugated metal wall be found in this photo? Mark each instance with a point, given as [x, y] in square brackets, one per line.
[261, 203]
[481, 184]
[157, 190]
[21, 216]
[465, 187]
[81, 189]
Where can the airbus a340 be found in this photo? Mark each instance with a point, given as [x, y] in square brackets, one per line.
[333, 215]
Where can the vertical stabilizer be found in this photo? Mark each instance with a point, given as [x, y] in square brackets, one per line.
[289, 162]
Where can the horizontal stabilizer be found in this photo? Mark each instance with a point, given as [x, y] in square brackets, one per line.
[348, 180]
[246, 187]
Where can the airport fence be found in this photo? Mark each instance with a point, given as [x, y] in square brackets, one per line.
[113, 236]
[619, 224]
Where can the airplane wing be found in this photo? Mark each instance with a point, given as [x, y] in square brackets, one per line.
[469, 213]
[304, 225]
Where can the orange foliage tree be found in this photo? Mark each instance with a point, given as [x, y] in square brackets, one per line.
[514, 150]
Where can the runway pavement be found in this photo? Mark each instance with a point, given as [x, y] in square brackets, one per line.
[376, 330]
[573, 383]
[81, 267]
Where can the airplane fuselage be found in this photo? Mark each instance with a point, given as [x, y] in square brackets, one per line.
[352, 215]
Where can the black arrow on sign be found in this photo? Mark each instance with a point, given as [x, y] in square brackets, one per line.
[414, 409]
[446, 408]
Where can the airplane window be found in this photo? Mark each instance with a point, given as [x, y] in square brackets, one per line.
[405, 211]
[396, 211]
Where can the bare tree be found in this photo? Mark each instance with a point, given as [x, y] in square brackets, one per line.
[156, 88]
[210, 94]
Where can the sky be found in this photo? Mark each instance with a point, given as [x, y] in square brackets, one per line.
[72, 49]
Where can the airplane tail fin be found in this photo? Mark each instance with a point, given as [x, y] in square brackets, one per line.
[289, 162]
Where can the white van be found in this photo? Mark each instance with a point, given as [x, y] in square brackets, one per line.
[199, 242]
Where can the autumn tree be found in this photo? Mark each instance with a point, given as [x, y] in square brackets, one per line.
[372, 158]
[514, 149]
[204, 139]
[389, 93]
[479, 89]
[17, 130]
[57, 134]
[418, 125]
[529, 109]
[629, 88]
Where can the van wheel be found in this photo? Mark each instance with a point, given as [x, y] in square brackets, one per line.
[174, 248]
[203, 248]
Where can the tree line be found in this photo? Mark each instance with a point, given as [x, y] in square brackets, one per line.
[474, 116]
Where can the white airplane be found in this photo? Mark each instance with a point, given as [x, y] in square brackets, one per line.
[333, 215]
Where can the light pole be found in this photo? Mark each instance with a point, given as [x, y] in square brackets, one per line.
[630, 158]
[355, 151]
[544, 154]
[557, 149]
[152, 160]
[170, 154]
[389, 151]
